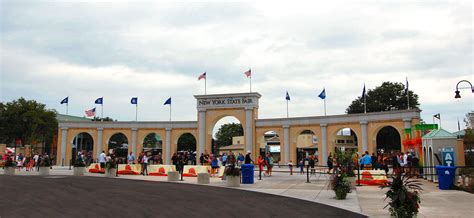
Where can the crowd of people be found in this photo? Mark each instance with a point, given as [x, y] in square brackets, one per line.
[26, 161]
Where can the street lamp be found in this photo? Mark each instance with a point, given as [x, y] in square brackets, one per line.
[457, 89]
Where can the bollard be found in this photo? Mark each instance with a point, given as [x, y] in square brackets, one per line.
[307, 174]
[259, 173]
[182, 170]
[70, 162]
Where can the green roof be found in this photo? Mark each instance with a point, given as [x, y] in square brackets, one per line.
[439, 134]
[63, 117]
[460, 133]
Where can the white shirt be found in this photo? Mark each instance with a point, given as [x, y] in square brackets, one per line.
[36, 157]
[145, 159]
[405, 161]
[102, 158]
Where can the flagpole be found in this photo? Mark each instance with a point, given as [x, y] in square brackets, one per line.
[408, 96]
[136, 112]
[250, 83]
[67, 108]
[287, 114]
[102, 112]
[170, 112]
[324, 106]
[205, 86]
[365, 105]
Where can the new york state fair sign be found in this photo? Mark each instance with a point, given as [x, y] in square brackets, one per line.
[238, 100]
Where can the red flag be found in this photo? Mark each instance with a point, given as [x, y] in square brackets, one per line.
[248, 73]
[202, 76]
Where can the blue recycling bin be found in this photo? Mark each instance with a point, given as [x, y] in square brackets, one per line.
[247, 173]
[445, 176]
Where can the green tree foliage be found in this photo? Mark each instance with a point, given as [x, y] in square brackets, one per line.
[226, 132]
[151, 141]
[103, 119]
[388, 96]
[28, 121]
[187, 142]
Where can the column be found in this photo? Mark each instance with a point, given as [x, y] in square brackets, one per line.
[134, 141]
[98, 148]
[324, 143]
[286, 143]
[63, 144]
[202, 131]
[365, 141]
[248, 129]
[168, 146]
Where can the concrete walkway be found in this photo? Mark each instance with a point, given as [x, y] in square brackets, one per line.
[368, 200]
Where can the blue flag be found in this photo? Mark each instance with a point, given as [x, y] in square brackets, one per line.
[322, 95]
[99, 100]
[168, 101]
[65, 101]
[363, 92]
[287, 96]
[134, 100]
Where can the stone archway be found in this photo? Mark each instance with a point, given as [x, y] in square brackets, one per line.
[119, 143]
[229, 142]
[82, 142]
[388, 139]
[345, 139]
[306, 144]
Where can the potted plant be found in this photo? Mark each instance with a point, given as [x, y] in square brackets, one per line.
[9, 167]
[110, 167]
[79, 167]
[340, 182]
[232, 176]
[403, 195]
[45, 164]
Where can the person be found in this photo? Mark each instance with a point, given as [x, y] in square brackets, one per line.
[145, 164]
[102, 160]
[374, 162]
[311, 164]
[224, 159]
[366, 161]
[201, 159]
[36, 159]
[301, 164]
[214, 165]
[415, 161]
[290, 165]
[131, 158]
[248, 159]
[175, 160]
[269, 164]
[260, 162]
[330, 163]
[240, 159]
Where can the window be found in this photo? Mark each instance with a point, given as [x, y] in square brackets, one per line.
[340, 141]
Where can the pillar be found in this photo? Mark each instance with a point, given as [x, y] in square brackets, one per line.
[365, 140]
[202, 131]
[63, 144]
[324, 143]
[168, 146]
[98, 148]
[286, 143]
[134, 141]
[248, 129]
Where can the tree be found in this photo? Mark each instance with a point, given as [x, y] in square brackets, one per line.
[388, 96]
[226, 132]
[103, 119]
[187, 142]
[152, 140]
[28, 121]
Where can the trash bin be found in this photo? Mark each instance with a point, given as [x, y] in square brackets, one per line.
[445, 176]
[247, 173]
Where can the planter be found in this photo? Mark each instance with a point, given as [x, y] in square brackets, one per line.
[233, 181]
[341, 194]
[79, 171]
[111, 173]
[9, 171]
[44, 171]
[173, 176]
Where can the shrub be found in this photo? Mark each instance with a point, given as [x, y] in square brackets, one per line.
[404, 196]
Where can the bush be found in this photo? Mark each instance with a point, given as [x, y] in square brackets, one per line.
[341, 185]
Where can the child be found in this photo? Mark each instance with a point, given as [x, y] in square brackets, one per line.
[301, 166]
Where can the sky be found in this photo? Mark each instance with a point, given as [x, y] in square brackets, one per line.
[156, 50]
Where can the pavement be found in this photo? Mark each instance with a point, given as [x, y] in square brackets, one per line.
[365, 200]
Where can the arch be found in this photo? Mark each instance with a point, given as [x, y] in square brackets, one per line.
[345, 138]
[82, 142]
[119, 143]
[153, 141]
[270, 142]
[306, 144]
[236, 143]
[388, 139]
[187, 142]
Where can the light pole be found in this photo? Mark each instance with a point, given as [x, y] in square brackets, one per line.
[457, 92]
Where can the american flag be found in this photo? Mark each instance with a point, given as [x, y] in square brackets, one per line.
[248, 73]
[202, 76]
[91, 112]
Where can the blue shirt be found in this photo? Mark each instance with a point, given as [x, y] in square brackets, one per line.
[366, 160]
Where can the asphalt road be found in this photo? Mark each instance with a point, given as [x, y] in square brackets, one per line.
[68, 196]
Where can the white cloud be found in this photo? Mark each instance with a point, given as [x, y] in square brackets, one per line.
[157, 50]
